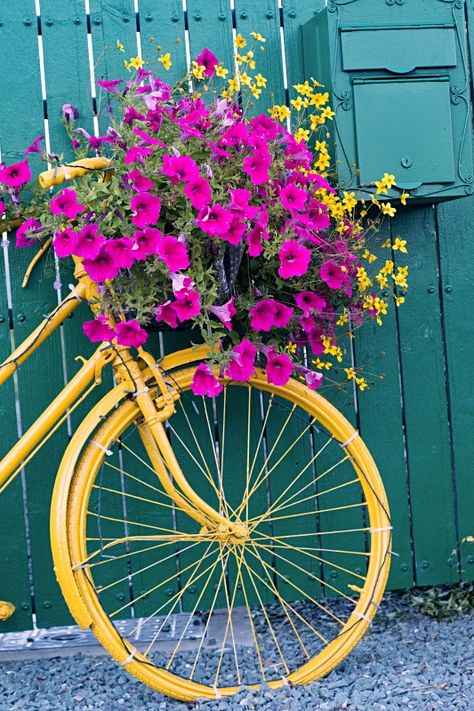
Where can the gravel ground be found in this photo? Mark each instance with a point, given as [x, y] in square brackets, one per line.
[406, 661]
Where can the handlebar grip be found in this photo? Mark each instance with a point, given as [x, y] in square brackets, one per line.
[58, 175]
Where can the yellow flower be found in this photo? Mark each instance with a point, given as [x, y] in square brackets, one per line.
[279, 112]
[319, 100]
[404, 197]
[350, 373]
[291, 347]
[388, 180]
[240, 42]
[297, 103]
[136, 62]
[255, 91]
[374, 200]
[260, 80]
[127, 65]
[197, 70]
[165, 60]
[221, 71]
[245, 79]
[369, 256]
[399, 300]
[349, 201]
[328, 113]
[361, 383]
[304, 89]
[316, 121]
[400, 278]
[257, 36]
[400, 245]
[382, 280]
[342, 320]
[363, 279]
[301, 135]
[119, 46]
[322, 364]
[387, 243]
[388, 209]
[387, 268]
[250, 60]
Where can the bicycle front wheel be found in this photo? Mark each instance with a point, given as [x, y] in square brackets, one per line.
[280, 595]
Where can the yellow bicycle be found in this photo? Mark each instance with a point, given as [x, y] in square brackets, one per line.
[179, 511]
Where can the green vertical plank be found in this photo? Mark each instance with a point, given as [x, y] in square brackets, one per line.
[456, 253]
[264, 17]
[210, 25]
[162, 25]
[381, 422]
[295, 14]
[425, 401]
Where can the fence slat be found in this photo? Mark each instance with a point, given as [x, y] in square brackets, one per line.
[163, 26]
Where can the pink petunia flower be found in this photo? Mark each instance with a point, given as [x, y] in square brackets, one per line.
[16, 175]
[312, 378]
[254, 240]
[205, 382]
[165, 312]
[179, 168]
[332, 274]
[237, 135]
[131, 115]
[225, 312]
[180, 281]
[239, 203]
[122, 252]
[293, 198]
[22, 238]
[294, 259]
[89, 242]
[173, 253]
[235, 232]
[139, 181]
[215, 220]
[268, 314]
[242, 363]
[109, 85]
[256, 166]
[264, 127]
[130, 333]
[279, 368]
[34, 147]
[208, 60]
[102, 267]
[309, 302]
[146, 242]
[65, 203]
[98, 330]
[146, 208]
[135, 154]
[187, 304]
[69, 113]
[317, 215]
[198, 191]
[65, 243]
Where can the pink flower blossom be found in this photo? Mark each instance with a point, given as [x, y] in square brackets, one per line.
[88, 242]
[173, 253]
[332, 273]
[264, 127]
[309, 302]
[16, 175]
[69, 113]
[103, 266]
[312, 378]
[139, 181]
[135, 154]
[22, 238]
[187, 304]
[208, 60]
[34, 147]
[215, 220]
[268, 314]
[279, 368]
[130, 333]
[65, 243]
[131, 115]
[205, 382]
[98, 330]
[65, 203]
[179, 168]
[317, 215]
[180, 281]
[165, 312]
[122, 252]
[198, 191]
[256, 166]
[235, 232]
[239, 203]
[236, 135]
[146, 209]
[146, 242]
[242, 363]
[293, 198]
[109, 85]
[294, 259]
[225, 312]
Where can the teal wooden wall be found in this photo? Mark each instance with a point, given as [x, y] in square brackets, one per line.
[418, 421]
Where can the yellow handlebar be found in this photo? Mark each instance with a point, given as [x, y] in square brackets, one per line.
[58, 175]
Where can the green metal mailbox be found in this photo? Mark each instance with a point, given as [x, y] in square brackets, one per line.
[397, 74]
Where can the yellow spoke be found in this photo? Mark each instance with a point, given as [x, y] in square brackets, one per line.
[305, 594]
[316, 557]
[316, 495]
[310, 513]
[201, 595]
[262, 432]
[222, 501]
[250, 573]
[247, 465]
[306, 572]
[249, 615]
[283, 456]
[283, 603]
[224, 420]
[137, 479]
[321, 550]
[129, 523]
[230, 607]
[132, 496]
[147, 567]
[118, 557]
[156, 587]
[322, 533]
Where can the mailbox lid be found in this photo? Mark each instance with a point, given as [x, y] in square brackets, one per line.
[398, 49]
[404, 127]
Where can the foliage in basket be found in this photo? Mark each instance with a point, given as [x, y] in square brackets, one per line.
[218, 217]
